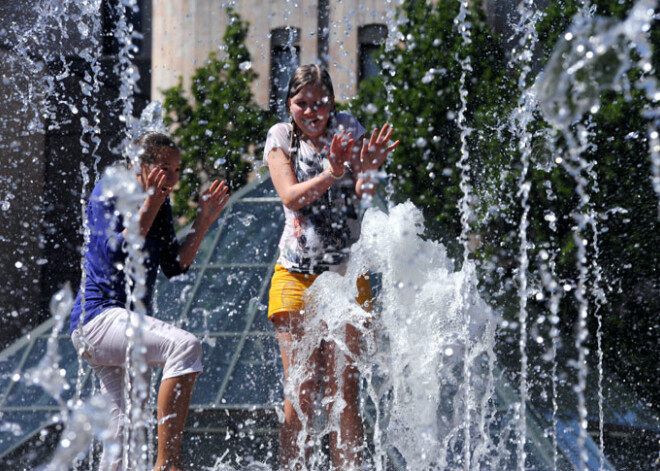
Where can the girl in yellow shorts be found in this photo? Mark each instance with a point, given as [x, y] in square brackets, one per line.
[321, 168]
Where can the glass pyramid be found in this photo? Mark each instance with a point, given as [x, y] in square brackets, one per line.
[233, 415]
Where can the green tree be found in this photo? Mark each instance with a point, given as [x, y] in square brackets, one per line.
[419, 92]
[220, 123]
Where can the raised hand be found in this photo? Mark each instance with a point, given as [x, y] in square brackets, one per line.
[375, 151]
[341, 149]
[156, 187]
[213, 201]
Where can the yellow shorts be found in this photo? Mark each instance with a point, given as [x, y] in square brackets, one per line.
[287, 290]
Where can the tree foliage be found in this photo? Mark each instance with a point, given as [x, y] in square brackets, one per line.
[220, 123]
[419, 92]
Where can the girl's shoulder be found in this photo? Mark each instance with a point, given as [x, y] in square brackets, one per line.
[279, 130]
[279, 136]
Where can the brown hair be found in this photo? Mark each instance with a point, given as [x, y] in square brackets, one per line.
[309, 74]
[148, 144]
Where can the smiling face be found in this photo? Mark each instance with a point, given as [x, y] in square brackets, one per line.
[166, 159]
[311, 108]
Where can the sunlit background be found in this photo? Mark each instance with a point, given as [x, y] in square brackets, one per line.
[529, 141]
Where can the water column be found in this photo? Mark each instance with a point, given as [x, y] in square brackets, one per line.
[592, 56]
[129, 197]
[521, 59]
[84, 17]
[90, 141]
[463, 26]
[90, 29]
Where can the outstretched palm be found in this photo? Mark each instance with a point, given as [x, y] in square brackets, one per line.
[375, 151]
[213, 201]
[341, 148]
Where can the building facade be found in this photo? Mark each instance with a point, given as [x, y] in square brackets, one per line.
[341, 35]
[58, 64]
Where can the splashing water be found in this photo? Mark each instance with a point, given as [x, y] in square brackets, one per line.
[89, 420]
[122, 185]
[519, 123]
[592, 56]
[428, 358]
[416, 342]
[47, 373]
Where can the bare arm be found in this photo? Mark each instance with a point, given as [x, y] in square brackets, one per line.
[373, 154]
[296, 195]
[211, 205]
[156, 195]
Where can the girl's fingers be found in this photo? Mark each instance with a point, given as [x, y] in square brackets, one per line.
[389, 134]
[372, 139]
[160, 181]
[153, 172]
[220, 194]
[214, 186]
[221, 190]
[393, 146]
[383, 131]
[152, 176]
[346, 141]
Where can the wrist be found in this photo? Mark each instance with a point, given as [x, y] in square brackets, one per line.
[334, 174]
[152, 205]
[371, 176]
[202, 221]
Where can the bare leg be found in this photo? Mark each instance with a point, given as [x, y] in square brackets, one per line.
[173, 401]
[345, 450]
[289, 332]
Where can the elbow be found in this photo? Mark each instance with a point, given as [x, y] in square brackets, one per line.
[292, 203]
[292, 206]
[170, 270]
[171, 273]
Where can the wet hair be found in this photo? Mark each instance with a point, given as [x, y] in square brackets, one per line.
[309, 74]
[148, 144]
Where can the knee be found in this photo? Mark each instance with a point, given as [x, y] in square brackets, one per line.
[191, 348]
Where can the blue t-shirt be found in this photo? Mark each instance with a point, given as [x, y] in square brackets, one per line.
[105, 258]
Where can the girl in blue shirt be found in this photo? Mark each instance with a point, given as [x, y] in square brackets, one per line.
[101, 313]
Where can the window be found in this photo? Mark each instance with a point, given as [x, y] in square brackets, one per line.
[284, 59]
[370, 40]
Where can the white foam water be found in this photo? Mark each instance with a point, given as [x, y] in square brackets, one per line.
[415, 344]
